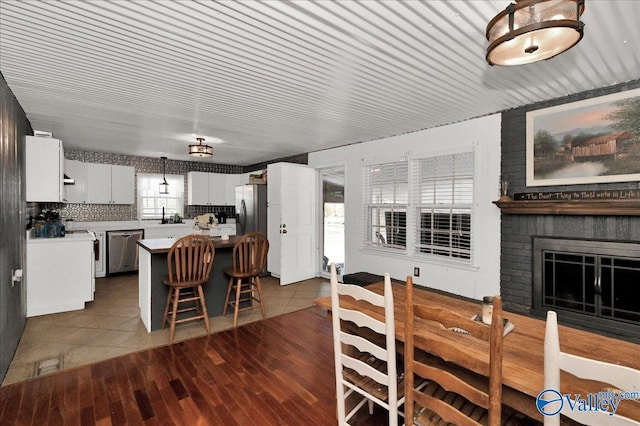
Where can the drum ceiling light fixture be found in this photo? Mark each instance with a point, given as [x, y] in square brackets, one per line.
[200, 150]
[534, 30]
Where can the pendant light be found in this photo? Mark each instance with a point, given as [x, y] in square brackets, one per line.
[164, 185]
[200, 150]
[534, 30]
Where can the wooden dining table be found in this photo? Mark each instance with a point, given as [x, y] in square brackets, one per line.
[523, 359]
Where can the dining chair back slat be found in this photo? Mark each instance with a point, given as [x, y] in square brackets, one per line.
[617, 378]
[361, 366]
[460, 396]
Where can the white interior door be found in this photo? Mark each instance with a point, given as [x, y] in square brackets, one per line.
[291, 195]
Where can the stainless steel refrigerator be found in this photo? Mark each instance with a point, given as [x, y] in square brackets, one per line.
[251, 209]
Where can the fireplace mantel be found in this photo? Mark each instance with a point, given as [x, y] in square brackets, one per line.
[580, 207]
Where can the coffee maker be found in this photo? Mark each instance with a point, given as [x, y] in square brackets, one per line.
[222, 217]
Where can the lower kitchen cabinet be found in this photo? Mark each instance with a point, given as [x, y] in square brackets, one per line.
[60, 274]
[168, 231]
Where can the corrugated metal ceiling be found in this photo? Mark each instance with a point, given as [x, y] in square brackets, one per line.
[272, 79]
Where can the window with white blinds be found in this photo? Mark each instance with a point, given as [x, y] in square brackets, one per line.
[443, 201]
[386, 196]
[151, 202]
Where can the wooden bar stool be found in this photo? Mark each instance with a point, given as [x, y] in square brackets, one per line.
[189, 262]
[249, 259]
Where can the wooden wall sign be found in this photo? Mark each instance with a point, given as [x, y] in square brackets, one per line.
[608, 194]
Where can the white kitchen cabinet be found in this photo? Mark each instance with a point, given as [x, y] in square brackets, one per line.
[197, 188]
[98, 183]
[230, 188]
[110, 184]
[213, 189]
[44, 169]
[206, 189]
[60, 274]
[123, 184]
[168, 231]
[217, 188]
[76, 193]
[101, 255]
[223, 229]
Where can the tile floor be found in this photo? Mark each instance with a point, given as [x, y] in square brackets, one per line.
[111, 326]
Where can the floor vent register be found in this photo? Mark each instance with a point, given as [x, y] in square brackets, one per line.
[46, 366]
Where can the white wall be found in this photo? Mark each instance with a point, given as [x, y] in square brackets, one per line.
[482, 135]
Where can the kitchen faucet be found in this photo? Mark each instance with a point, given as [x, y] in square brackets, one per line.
[163, 219]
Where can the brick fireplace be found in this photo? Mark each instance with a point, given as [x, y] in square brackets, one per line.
[587, 281]
[522, 233]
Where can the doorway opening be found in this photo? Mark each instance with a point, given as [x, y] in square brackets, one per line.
[332, 235]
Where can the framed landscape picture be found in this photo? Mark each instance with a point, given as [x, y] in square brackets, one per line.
[591, 141]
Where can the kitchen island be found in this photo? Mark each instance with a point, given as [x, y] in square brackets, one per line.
[153, 269]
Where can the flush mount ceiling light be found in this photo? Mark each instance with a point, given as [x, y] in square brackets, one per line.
[164, 185]
[200, 150]
[533, 30]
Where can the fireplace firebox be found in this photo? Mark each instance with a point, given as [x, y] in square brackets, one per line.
[591, 284]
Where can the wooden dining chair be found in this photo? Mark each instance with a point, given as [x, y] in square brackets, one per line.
[619, 377]
[189, 264]
[461, 396]
[365, 361]
[249, 258]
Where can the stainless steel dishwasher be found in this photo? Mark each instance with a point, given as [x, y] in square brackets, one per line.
[122, 250]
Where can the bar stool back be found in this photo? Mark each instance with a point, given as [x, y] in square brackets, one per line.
[249, 260]
[189, 263]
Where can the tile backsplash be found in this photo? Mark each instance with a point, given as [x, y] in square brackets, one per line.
[111, 212]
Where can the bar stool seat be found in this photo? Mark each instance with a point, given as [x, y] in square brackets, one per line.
[189, 263]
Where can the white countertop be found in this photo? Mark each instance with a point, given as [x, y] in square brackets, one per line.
[69, 237]
[130, 224]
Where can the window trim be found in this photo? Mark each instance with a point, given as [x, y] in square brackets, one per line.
[411, 250]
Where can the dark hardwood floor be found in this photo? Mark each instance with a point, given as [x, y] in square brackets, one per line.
[278, 371]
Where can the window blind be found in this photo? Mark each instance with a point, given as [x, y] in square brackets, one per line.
[443, 202]
[386, 195]
[151, 202]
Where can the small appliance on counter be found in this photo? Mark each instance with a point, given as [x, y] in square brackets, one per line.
[48, 225]
[222, 217]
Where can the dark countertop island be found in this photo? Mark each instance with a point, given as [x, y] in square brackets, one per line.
[153, 269]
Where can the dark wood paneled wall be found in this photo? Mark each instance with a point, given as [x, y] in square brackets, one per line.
[13, 212]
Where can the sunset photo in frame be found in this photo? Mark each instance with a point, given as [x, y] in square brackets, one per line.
[596, 140]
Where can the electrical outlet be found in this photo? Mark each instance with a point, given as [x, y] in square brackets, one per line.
[416, 272]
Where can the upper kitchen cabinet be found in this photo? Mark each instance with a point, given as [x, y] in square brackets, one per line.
[123, 182]
[44, 169]
[207, 189]
[232, 182]
[76, 193]
[110, 184]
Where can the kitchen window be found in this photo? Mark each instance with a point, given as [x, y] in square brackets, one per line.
[386, 196]
[151, 202]
[443, 202]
